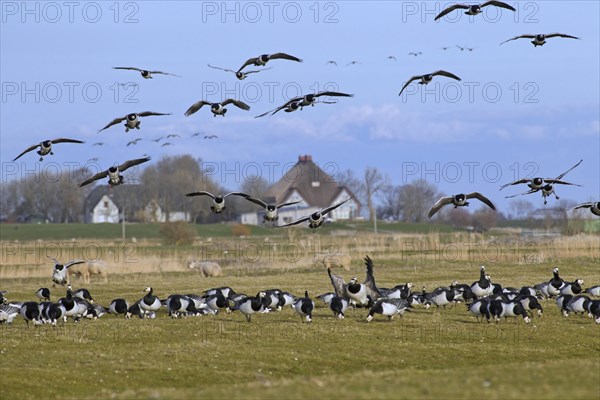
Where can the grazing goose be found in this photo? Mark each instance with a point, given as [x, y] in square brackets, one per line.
[338, 305]
[95, 311]
[397, 292]
[114, 173]
[440, 297]
[178, 303]
[217, 301]
[146, 74]
[315, 219]
[43, 294]
[30, 311]
[3, 299]
[45, 147]
[118, 306]
[593, 291]
[74, 306]
[514, 309]
[83, 294]
[216, 108]
[462, 292]
[573, 288]
[577, 304]
[593, 207]
[135, 310]
[239, 74]
[263, 59]
[218, 205]
[540, 38]
[530, 303]
[8, 312]
[327, 297]
[542, 184]
[542, 290]
[483, 287]
[425, 79]
[251, 305]
[226, 291]
[474, 9]
[459, 200]
[304, 307]
[555, 284]
[479, 308]
[132, 121]
[388, 307]
[528, 291]
[149, 303]
[285, 299]
[270, 210]
[59, 272]
[562, 301]
[593, 309]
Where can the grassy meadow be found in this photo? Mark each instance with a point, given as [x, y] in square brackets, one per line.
[431, 353]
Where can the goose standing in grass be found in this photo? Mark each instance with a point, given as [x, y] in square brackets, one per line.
[441, 297]
[479, 308]
[577, 304]
[218, 205]
[132, 121]
[388, 307]
[45, 147]
[593, 309]
[364, 294]
[30, 311]
[304, 307]
[474, 9]
[459, 200]
[177, 304]
[51, 313]
[149, 303]
[8, 312]
[328, 297]
[593, 291]
[540, 38]
[425, 79]
[338, 305]
[118, 306]
[74, 306]
[555, 284]
[483, 287]
[573, 288]
[251, 305]
[514, 309]
[217, 302]
[263, 59]
[530, 303]
[43, 294]
[114, 173]
[83, 294]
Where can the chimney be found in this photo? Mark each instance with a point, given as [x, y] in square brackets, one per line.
[305, 158]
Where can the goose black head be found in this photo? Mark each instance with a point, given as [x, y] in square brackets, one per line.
[598, 205]
[271, 207]
[145, 73]
[537, 181]
[113, 169]
[261, 295]
[459, 198]
[219, 199]
[148, 289]
[131, 117]
[264, 58]
[309, 98]
[59, 267]
[240, 75]
[294, 106]
[316, 216]
[46, 143]
[475, 9]
[540, 38]
[353, 281]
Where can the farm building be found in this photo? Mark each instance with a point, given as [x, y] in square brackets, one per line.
[314, 188]
[106, 205]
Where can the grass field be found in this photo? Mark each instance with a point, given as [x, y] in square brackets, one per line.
[425, 354]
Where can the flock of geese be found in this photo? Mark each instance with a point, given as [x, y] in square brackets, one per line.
[483, 299]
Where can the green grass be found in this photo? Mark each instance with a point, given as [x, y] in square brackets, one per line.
[426, 354]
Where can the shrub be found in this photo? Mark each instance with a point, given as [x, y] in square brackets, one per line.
[241, 230]
[177, 233]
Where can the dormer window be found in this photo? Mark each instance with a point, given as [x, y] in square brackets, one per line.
[315, 183]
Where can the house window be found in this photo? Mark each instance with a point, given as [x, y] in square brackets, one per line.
[105, 204]
[315, 183]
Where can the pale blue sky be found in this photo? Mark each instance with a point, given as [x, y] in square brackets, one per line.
[547, 112]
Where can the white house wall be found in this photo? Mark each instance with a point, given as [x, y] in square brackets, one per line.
[108, 214]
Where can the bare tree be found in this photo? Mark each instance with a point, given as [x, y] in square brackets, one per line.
[483, 219]
[254, 185]
[416, 199]
[521, 208]
[374, 183]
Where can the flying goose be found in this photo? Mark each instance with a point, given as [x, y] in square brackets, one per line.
[265, 58]
[474, 9]
[540, 38]
[145, 73]
[133, 142]
[239, 74]
[113, 173]
[270, 209]
[594, 207]
[46, 147]
[216, 108]
[391, 58]
[412, 53]
[425, 79]
[306, 100]
[132, 121]
[331, 62]
[315, 219]
[59, 272]
[544, 184]
[218, 205]
[459, 200]
[210, 136]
